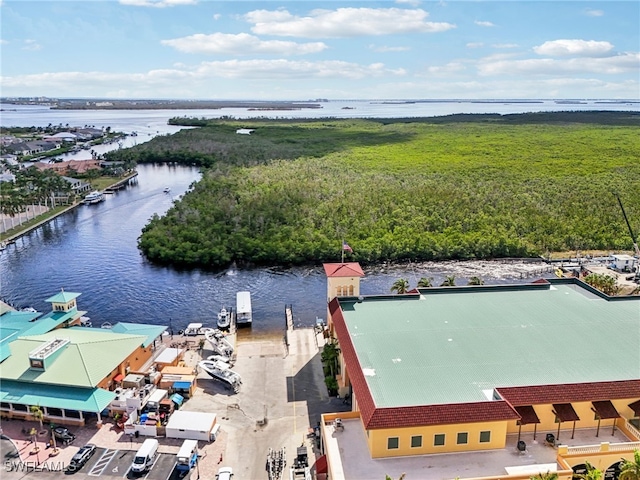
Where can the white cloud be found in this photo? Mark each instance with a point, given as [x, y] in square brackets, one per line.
[593, 13]
[582, 48]
[475, 44]
[386, 49]
[448, 69]
[3, 41]
[618, 64]
[217, 16]
[343, 22]
[505, 45]
[286, 69]
[237, 70]
[31, 45]
[484, 24]
[241, 44]
[157, 3]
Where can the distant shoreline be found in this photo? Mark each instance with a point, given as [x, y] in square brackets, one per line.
[270, 105]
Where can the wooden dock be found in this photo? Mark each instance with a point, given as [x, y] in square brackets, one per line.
[122, 183]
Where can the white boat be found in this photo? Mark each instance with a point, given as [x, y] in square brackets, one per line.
[166, 190]
[243, 309]
[221, 371]
[224, 319]
[94, 197]
[193, 329]
[219, 344]
[85, 322]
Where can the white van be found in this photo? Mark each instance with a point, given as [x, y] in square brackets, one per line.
[145, 456]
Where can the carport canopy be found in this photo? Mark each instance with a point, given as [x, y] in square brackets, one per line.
[635, 406]
[565, 412]
[605, 409]
[528, 414]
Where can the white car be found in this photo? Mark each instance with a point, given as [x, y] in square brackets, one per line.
[224, 473]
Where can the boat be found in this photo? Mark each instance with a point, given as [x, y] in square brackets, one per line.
[193, 329]
[243, 309]
[221, 371]
[85, 322]
[219, 344]
[94, 197]
[224, 319]
[166, 190]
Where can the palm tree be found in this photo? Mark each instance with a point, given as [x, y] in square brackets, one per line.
[592, 473]
[545, 476]
[630, 470]
[401, 477]
[449, 281]
[425, 282]
[37, 413]
[400, 286]
[475, 281]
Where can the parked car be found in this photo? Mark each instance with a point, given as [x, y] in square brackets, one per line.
[63, 434]
[224, 473]
[82, 456]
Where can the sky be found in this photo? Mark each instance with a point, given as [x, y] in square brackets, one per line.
[334, 49]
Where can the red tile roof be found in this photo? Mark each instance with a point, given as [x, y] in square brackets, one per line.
[570, 392]
[441, 414]
[351, 269]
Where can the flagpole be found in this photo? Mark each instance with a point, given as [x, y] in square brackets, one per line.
[342, 248]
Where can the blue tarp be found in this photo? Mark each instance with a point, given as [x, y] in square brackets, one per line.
[182, 385]
[177, 398]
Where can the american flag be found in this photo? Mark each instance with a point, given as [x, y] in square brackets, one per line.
[346, 247]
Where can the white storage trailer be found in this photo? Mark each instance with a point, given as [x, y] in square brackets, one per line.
[243, 308]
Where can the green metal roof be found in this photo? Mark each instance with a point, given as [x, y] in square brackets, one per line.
[452, 345]
[150, 331]
[13, 324]
[90, 356]
[70, 398]
[63, 297]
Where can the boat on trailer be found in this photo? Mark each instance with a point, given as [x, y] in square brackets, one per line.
[222, 372]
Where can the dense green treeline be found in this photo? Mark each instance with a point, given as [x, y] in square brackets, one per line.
[291, 191]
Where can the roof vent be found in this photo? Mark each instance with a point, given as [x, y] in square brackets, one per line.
[45, 354]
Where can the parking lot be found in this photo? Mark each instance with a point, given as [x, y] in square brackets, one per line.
[106, 464]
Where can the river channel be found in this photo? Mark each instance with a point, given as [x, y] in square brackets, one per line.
[93, 250]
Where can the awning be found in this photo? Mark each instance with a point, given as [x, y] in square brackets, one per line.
[177, 398]
[635, 406]
[118, 378]
[182, 385]
[321, 464]
[528, 414]
[565, 412]
[605, 409]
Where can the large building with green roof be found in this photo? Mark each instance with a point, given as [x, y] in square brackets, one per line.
[451, 369]
[68, 371]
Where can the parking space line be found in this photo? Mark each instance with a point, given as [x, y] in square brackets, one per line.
[102, 463]
[171, 471]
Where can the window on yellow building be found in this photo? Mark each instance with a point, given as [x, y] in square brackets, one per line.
[438, 439]
[485, 436]
[463, 438]
[393, 443]
[416, 441]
